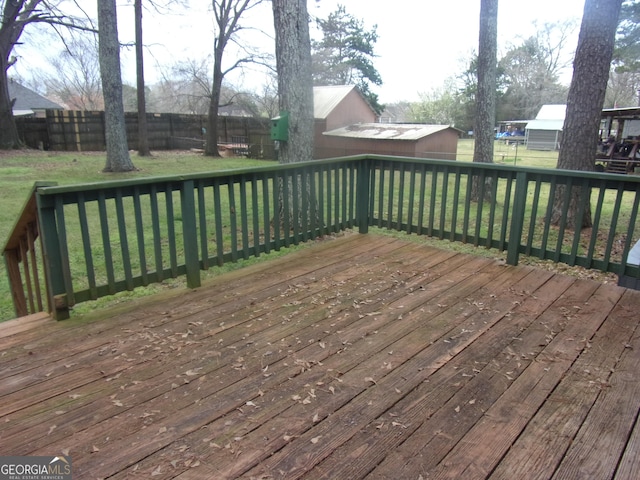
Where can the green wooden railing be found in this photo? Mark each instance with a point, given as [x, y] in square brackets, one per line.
[137, 232]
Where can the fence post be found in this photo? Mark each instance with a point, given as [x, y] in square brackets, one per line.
[362, 195]
[517, 218]
[189, 233]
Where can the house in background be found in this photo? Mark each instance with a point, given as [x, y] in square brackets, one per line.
[345, 124]
[545, 132]
[29, 103]
[234, 111]
[397, 113]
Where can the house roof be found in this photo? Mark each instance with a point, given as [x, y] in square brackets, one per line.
[387, 131]
[26, 100]
[550, 117]
[234, 111]
[325, 99]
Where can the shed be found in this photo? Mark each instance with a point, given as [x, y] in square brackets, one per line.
[545, 132]
[334, 107]
[28, 102]
[345, 124]
[409, 140]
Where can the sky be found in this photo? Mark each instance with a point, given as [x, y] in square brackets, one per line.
[420, 43]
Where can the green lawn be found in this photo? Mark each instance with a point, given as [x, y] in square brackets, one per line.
[511, 155]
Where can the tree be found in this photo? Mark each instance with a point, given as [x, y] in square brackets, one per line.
[440, 106]
[76, 81]
[622, 89]
[579, 141]
[16, 15]
[531, 72]
[295, 86]
[345, 55]
[143, 134]
[118, 159]
[486, 95]
[227, 15]
[626, 54]
[624, 79]
[266, 100]
[295, 89]
[466, 95]
[185, 88]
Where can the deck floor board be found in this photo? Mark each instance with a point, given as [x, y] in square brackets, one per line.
[364, 356]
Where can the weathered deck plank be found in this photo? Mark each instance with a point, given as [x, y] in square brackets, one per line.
[541, 447]
[364, 356]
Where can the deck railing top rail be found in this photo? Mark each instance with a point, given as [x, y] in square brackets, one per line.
[98, 239]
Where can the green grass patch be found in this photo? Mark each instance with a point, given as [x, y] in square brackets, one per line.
[510, 154]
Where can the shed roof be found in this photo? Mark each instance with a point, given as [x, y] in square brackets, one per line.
[28, 100]
[552, 112]
[325, 99]
[387, 131]
[550, 117]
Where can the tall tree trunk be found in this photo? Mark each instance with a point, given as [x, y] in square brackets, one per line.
[10, 32]
[591, 65]
[118, 159]
[486, 93]
[295, 89]
[295, 83]
[9, 137]
[211, 147]
[143, 133]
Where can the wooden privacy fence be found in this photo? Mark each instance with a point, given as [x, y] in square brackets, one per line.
[132, 233]
[68, 130]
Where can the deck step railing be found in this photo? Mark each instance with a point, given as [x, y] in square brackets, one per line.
[131, 233]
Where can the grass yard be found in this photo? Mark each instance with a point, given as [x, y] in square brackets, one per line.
[20, 169]
[511, 155]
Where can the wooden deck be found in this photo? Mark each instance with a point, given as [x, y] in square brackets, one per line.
[363, 356]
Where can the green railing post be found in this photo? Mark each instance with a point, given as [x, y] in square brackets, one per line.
[517, 218]
[189, 233]
[362, 195]
[53, 266]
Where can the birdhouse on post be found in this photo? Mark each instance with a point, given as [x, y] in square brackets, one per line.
[280, 127]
